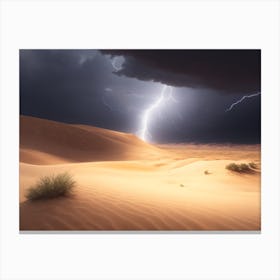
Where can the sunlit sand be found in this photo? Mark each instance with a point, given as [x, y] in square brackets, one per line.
[124, 183]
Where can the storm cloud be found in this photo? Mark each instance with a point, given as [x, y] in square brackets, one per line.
[90, 87]
[77, 86]
[228, 71]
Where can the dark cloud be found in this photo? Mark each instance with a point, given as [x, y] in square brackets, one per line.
[229, 71]
[77, 86]
[81, 86]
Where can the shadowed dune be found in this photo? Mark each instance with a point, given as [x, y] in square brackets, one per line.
[44, 141]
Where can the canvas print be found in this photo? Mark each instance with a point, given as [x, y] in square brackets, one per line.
[140, 140]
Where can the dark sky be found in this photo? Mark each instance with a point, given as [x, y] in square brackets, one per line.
[115, 88]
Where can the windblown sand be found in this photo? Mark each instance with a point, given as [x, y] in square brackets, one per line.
[126, 184]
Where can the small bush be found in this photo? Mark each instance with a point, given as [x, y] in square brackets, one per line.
[240, 168]
[51, 187]
[253, 165]
[206, 172]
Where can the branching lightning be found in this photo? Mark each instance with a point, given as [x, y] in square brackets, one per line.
[240, 100]
[164, 95]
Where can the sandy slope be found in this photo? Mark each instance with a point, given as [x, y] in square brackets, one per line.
[43, 142]
[125, 184]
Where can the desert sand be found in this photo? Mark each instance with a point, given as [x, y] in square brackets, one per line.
[124, 183]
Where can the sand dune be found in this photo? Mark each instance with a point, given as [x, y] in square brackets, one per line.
[44, 142]
[125, 184]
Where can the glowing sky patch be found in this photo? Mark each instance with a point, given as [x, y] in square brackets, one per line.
[117, 62]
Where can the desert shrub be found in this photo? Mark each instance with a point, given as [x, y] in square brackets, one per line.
[51, 187]
[240, 168]
[253, 165]
[206, 172]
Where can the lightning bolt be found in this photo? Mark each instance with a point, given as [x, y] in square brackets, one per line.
[240, 100]
[117, 62]
[164, 95]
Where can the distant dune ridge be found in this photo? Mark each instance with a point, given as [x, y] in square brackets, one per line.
[124, 183]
